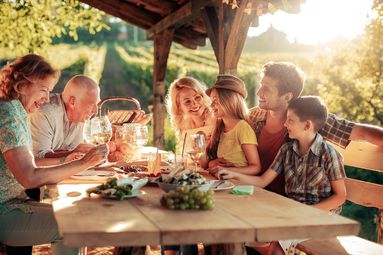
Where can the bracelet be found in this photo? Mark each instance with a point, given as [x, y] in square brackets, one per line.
[62, 160]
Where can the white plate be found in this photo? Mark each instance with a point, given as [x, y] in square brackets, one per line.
[135, 193]
[223, 186]
[94, 175]
[107, 164]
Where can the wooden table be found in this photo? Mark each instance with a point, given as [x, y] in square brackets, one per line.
[263, 216]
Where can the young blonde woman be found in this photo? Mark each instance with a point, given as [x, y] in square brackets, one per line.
[189, 107]
[233, 144]
[190, 112]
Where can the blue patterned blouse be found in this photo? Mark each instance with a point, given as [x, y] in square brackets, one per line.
[14, 132]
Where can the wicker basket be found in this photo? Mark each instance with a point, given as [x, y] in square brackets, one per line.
[120, 117]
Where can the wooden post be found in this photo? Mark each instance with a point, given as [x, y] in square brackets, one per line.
[379, 226]
[162, 43]
[228, 32]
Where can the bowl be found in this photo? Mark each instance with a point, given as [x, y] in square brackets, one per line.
[172, 186]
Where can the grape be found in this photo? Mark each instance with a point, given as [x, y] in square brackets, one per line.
[186, 197]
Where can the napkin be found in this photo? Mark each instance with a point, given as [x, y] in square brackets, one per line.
[136, 184]
[243, 190]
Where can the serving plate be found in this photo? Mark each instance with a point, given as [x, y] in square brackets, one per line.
[135, 193]
[218, 185]
[94, 175]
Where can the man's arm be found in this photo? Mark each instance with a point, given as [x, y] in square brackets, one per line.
[368, 133]
[341, 132]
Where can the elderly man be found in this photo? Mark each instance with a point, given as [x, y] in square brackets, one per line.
[57, 128]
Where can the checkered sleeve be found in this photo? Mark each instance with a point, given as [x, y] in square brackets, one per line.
[334, 164]
[278, 163]
[337, 130]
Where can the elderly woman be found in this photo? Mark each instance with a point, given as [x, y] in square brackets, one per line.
[24, 86]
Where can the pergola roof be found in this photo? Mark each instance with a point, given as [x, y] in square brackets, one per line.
[185, 15]
[189, 23]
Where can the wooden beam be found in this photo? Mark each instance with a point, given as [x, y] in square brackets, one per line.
[221, 38]
[238, 34]
[179, 17]
[162, 7]
[198, 25]
[191, 35]
[210, 18]
[162, 43]
[126, 11]
[233, 25]
[184, 42]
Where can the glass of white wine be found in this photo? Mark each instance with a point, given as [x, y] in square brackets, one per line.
[197, 150]
[141, 137]
[141, 134]
[87, 132]
[101, 129]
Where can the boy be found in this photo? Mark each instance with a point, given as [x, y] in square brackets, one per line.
[313, 170]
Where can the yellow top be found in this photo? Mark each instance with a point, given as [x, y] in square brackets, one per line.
[230, 143]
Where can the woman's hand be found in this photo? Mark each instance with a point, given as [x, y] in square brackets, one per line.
[219, 162]
[96, 155]
[223, 173]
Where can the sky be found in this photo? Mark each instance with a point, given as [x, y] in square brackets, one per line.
[319, 21]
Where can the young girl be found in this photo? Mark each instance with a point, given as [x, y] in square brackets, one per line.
[233, 144]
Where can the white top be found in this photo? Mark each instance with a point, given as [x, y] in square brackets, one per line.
[51, 130]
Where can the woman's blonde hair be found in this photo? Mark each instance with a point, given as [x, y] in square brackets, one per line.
[179, 120]
[233, 105]
[24, 71]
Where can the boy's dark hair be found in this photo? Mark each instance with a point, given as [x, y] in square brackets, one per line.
[310, 108]
[290, 77]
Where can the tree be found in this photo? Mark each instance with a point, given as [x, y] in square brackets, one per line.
[371, 64]
[351, 81]
[30, 25]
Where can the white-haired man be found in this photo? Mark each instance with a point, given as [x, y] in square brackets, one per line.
[57, 128]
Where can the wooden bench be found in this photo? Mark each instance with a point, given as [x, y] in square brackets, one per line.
[366, 156]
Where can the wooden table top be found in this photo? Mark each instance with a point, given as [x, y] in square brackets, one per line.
[263, 216]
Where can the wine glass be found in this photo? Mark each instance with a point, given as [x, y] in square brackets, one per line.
[197, 150]
[141, 133]
[87, 132]
[141, 137]
[101, 129]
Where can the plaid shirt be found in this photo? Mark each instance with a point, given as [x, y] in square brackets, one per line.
[308, 178]
[335, 130]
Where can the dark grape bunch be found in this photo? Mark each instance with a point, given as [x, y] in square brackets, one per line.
[185, 197]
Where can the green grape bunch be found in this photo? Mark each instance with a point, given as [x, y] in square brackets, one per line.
[186, 197]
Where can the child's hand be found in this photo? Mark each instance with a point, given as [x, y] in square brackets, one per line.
[222, 173]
